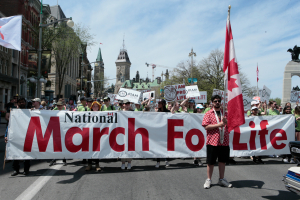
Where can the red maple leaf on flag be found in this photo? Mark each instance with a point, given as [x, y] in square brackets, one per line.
[2, 36]
[232, 84]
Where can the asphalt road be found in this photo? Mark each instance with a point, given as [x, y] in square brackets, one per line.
[179, 181]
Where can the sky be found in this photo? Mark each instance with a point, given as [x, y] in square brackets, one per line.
[164, 31]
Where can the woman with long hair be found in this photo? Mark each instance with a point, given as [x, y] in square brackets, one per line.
[297, 117]
[96, 106]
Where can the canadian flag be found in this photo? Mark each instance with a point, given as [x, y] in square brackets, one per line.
[257, 73]
[10, 32]
[235, 106]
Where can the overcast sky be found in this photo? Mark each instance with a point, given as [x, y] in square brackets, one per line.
[163, 32]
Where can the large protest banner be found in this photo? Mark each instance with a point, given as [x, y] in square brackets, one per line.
[119, 134]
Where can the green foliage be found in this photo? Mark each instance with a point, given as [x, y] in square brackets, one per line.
[277, 99]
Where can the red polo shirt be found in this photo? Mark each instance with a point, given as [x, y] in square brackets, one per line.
[213, 136]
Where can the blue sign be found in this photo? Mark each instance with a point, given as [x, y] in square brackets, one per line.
[192, 80]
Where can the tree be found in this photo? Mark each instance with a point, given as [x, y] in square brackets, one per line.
[277, 99]
[67, 45]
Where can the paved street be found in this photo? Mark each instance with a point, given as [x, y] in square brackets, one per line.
[179, 181]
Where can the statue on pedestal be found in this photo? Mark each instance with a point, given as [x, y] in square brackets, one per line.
[295, 53]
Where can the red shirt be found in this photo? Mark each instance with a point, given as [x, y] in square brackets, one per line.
[213, 136]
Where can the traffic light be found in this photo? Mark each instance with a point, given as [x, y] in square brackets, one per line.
[45, 73]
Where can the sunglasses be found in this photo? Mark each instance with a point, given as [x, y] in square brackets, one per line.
[105, 100]
[121, 104]
[217, 101]
[127, 103]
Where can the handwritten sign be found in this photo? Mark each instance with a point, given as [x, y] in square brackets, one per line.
[131, 95]
[202, 98]
[295, 96]
[192, 91]
[266, 93]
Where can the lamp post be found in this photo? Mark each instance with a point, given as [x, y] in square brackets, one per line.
[70, 23]
[191, 54]
[83, 46]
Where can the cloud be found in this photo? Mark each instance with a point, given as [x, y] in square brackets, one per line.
[163, 32]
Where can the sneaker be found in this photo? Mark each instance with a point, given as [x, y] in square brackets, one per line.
[271, 156]
[292, 161]
[53, 162]
[224, 182]
[15, 173]
[88, 168]
[98, 169]
[123, 166]
[200, 163]
[207, 184]
[157, 165]
[285, 160]
[196, 162]
[64, 163]
[167, 164]
[129, 166]
[260, 161]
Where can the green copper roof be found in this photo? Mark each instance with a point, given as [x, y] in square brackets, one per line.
[140, 86]
[99, 57]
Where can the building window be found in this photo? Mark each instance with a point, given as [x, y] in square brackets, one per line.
[6, 50]
[1, 48]
[5, 67]
[0, 66]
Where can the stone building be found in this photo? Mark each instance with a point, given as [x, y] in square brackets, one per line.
[99, 75]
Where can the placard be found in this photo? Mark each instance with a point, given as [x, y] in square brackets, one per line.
[266, 93]
[192, 91]
[132, 95]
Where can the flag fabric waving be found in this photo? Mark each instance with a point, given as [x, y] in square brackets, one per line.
[235, 106]
[10, 32]
[257, 73]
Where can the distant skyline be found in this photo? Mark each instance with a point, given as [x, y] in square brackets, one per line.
[163, 32]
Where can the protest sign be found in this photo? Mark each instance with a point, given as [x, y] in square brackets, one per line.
[202, 98]
[180, 89]
[295, 96]
[192, 91]
[266, 93]
[132, 95]
[148, 95]
[113, 97]
[112, 134]
[247, 103]
[170, 93]
[220, 93]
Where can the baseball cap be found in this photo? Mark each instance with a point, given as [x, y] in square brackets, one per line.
[126, 101]
[106, 98]
[82, 99]
[36, 99]
[254, 102]
[120, 101]
[199, 106]
[89, 99]
[98, 99]
[254, 107]
[191, 101]
[59, 103]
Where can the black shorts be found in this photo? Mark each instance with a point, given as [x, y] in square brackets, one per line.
[214, 152]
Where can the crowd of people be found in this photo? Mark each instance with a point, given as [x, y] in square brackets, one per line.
[214, 120]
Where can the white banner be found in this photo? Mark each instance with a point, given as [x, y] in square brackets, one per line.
[202, 98]
[132, 95]
[295, 96]
[266, 93]
[77, 135]
[192, 91]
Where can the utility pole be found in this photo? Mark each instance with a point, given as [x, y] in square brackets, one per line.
[191, 54]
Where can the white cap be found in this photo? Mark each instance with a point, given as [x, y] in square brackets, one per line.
[199, 106]
[254, 107]
[254, 103]
[36, 99]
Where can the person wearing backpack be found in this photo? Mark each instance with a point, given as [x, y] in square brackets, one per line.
[107, 106]
[83, 106]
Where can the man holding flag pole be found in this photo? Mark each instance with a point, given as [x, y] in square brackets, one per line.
[218, 127]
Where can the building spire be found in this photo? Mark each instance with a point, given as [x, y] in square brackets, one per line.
[123, 46]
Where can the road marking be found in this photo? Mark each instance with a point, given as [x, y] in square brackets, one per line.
[37, 185]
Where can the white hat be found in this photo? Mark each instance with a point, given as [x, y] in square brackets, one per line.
[254, 107]
[199, 106]
[254, 103]
[36, 99]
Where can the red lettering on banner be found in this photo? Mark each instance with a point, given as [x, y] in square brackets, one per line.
[172, 134]
[84, 146]
[236, 145]
[113, 139]
[262, 133]
[132, 133]
[252, 136]
[274, 138]
[188, 140]
[97, 134]
[35, 127]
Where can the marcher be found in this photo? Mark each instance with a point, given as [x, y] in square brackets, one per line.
[36, 104]
[162, 108]
[214, 123]
[199, 110]
[107, 106]
[255, 112]
[138, 107]
[83, 106]
[297, 117]
[53, 162]
[127, 107]
[96, 106]
[16, 165]
[121, 105]
[272, 110]
[44, 104]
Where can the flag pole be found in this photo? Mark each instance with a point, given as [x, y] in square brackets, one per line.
[257, 80]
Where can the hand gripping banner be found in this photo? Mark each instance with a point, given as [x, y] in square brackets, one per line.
[119, 134]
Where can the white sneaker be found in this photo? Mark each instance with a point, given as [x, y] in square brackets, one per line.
[207, 184]
[129, 166]
[157, 165]
[123, 166]
[292, 161]
[200, 163]
[167, 164]
[285, 160]
[224, 182]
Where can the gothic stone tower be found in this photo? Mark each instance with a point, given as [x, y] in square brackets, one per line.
[99, 75]
[122, 69]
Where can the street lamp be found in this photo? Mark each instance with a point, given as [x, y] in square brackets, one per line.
[70, 23]
[191, 54]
